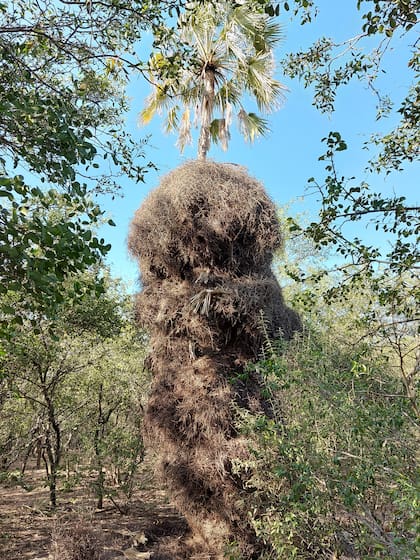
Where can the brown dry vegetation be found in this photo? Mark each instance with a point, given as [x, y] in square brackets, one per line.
[204, 240]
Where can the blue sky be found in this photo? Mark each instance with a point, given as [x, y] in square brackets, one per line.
[286, 158]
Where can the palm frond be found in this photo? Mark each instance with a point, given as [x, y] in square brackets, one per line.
[155, 103]
[259, 80]
[184, 137]
[234, 45]
[256, 28]
[219, 133]
[271, 96]
[273, 34]
[172, 120]
[191, 93]
[248, 21]
[201, 15]
[228, 114]
[230, 92]
[196, 113]
[214, 130]
[204, 45]
[252, 126]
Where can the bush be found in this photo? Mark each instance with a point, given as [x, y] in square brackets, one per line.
[78, 542]
[332, 473]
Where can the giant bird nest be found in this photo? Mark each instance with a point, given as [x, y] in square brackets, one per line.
[204, 215]
[204, 240]
[213, 314]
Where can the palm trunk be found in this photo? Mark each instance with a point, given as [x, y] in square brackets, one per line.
[206, 113]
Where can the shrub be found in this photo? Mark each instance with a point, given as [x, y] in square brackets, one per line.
[76, 542]
[333, 473]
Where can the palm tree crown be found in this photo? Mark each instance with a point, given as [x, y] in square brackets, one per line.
[231, 55]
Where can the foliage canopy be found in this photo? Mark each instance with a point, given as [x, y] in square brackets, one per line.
[326, 67]
[64, 66]
[227, 53]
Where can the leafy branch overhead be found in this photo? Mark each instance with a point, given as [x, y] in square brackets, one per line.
[44, 238]
[327, 65]
[387, 257]
[62, 139]
[227, 52]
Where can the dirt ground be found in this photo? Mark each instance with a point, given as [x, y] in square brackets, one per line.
[29, 529]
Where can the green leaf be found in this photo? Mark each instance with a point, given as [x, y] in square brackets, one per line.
[7, 194]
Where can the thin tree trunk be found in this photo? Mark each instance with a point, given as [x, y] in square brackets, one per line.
[53, 486]
[100, 489]
[38, 453]
[26, 459]
[53, 448]
[100, 480]
[207, 106]
[103, 419]
[51, 470]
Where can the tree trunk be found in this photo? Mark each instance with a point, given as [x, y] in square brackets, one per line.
[53, 448]
[53, 486]
[100, 489]
[51, 468]
[103, 420]
[207, 106]
[38, 453]
[29, 450]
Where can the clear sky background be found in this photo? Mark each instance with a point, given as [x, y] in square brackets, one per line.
[285, 159]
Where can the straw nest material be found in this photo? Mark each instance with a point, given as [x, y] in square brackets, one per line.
[236, 310]
[204, 215]
[204, 240]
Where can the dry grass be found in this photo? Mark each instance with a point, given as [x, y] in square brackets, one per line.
[79, 542]
[221, 310]
[204, 240]
[204, 215]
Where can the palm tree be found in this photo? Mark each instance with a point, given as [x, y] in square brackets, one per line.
[231, 55]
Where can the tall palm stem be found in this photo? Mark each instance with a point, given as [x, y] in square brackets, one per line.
[207, 106]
